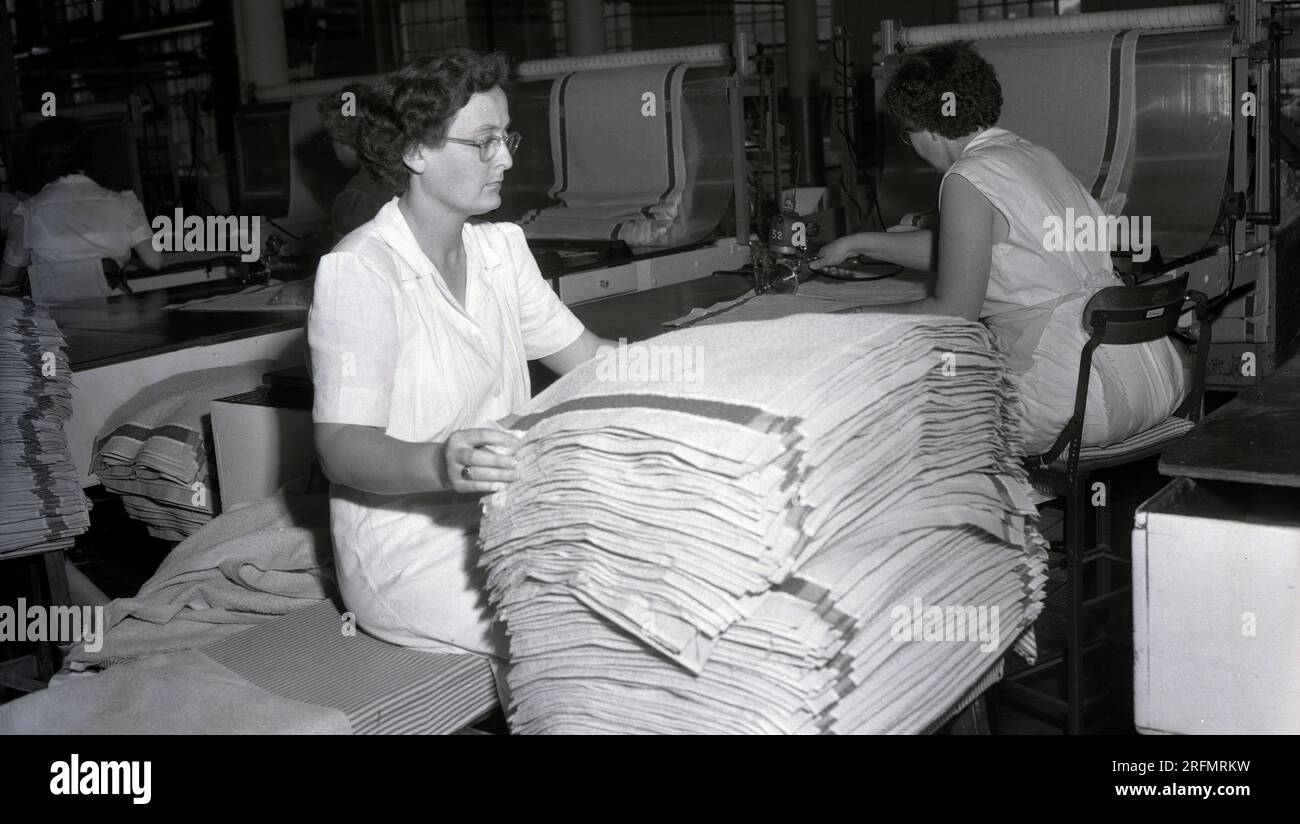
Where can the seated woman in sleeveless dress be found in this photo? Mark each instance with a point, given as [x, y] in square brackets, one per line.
[995, 263]
[421, 328]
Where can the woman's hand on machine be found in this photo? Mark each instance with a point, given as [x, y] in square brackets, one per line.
[476, 461]
[836, 252]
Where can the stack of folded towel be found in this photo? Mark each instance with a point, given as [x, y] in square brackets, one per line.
[41, 503]
[807, 525]
[155, 450]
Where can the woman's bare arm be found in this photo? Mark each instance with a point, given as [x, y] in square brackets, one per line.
[586, 347]
[149, 256]
[970, 228]
[365, 458]
[911, 250]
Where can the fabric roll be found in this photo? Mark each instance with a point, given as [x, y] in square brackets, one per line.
[619, 156]
[1070, 100]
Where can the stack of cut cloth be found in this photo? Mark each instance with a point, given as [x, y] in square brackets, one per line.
[154, 450]
[757, 543]
[42, 503]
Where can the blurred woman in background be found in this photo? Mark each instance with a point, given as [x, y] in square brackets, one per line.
[72, 229]
[361, 198]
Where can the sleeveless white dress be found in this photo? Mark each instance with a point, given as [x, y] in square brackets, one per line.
[1035, 299]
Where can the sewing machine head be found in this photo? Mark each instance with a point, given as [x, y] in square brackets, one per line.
[781, 263]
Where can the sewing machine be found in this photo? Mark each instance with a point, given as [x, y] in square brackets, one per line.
[1170, 114]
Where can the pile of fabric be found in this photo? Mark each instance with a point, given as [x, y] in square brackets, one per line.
[807, 525]
[155, 450]
[171, 657]
[41, 502]
[263, 559]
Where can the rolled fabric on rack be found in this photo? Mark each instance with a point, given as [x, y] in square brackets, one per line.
[1169, 17]
[715, 54]
[671, 119]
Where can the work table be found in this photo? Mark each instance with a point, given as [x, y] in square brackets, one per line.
[1253, 439]
[641, 315]
[134, 326]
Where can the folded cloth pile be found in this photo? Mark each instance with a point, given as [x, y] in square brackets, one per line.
[807, 525]
[154, 450]
[247, 566]
[41, 503]
[181, 693]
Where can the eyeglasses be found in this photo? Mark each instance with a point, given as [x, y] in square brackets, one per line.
[488, 146]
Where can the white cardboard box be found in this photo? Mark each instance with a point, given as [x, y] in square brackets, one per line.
[1216, 610]
[260, 445]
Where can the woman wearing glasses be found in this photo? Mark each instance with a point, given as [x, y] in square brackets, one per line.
[420, 329]
[994, 263]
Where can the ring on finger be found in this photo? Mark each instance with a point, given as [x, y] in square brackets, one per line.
[465, 473]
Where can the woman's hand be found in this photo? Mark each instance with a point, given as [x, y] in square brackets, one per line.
[479, 460]
[838, 250]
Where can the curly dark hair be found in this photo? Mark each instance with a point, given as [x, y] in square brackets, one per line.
[339, 126]
[915, 96]
[415, 104]
[55, 147]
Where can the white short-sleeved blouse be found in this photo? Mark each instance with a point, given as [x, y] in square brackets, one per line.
[391, 347]
[74, 219]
